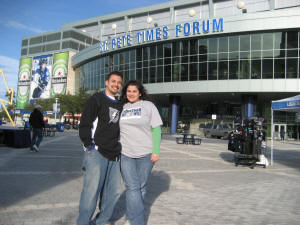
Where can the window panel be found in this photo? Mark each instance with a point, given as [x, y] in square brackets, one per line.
[292, 39]
[223, 44]
[212, 45]
[256, 69]
[167, 62]
[292, 53]
[291, 68]
[223, 70]
[139, 74]
[116, 61]
[279, 68]
[245, 69]
[279, 40]
[256, 42]
[245, 55]
[233, 43]
[267, 41]
[245, 42]
[146, 55]
[132, 74]
[267, 54]
[160, 54]
[212, 71]
[194, 71]
[184, 69]
[203, 71]
[184, 51]
[267, 68]
[255, 54]
[194, 47]
[175, 69]
[160, 74]
[203, 50]
[152, 74]
[233, 69]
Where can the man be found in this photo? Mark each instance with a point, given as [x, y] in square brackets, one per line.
[99, 132]
[43, 78]
[37, 123]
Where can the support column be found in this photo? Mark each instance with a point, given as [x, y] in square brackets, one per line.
[248, 101]
[174, 101]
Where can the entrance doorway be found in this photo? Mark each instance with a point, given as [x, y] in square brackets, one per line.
[277, 128]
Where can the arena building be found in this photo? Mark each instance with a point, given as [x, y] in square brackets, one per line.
[196, 58]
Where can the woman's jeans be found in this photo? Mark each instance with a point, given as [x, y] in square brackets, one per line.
[101, 177]
[135, 173]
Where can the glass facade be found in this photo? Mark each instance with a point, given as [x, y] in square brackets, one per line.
[270, 55]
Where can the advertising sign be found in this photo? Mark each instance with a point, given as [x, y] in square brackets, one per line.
[24, 79]
[41, 72]
[59, 74]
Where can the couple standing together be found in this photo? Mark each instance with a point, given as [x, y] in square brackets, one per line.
[120, 138]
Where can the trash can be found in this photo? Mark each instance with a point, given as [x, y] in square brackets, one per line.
[26, 124]
[60, 127]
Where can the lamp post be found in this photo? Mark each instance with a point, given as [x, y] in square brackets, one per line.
[56, 99]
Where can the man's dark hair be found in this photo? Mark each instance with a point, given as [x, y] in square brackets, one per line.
[43, 61]
[114, 73]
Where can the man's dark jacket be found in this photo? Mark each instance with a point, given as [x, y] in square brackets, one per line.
[36, 119]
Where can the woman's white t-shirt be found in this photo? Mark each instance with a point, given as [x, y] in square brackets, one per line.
[136, 123]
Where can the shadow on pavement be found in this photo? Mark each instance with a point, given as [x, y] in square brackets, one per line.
[25, 174]
[158, 183]
[227, 156]
[288, 158]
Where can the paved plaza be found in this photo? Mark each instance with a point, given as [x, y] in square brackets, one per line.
[190, 185]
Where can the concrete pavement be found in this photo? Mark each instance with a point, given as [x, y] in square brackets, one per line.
[190, 185]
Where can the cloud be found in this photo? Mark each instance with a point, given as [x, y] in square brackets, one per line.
[10, 67]
[18, 25]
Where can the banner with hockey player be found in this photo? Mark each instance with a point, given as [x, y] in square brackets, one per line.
[41, 72]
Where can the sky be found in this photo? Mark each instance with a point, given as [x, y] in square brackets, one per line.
[21, 18]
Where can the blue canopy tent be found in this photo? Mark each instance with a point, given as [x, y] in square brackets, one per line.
[291, 104]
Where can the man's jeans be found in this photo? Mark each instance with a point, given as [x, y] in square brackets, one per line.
[135, 173]
[37, 137]
[102, 177]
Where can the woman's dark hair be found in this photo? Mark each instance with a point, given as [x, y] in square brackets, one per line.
[140, 87]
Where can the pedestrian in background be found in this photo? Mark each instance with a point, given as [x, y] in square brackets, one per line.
[37, 123]
[282, 133]
[140, 136]
[99, 131]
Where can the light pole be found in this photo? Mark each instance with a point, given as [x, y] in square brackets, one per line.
[56, 99]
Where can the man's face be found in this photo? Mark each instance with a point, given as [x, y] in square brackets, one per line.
[113, 85]
[43, 66]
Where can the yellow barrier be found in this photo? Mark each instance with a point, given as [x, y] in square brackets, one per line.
[11, 92]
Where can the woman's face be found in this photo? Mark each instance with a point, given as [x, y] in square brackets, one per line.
[133, 94]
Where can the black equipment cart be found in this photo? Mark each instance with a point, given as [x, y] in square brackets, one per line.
[247, 142]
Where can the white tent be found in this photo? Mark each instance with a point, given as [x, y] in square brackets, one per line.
[291, 104]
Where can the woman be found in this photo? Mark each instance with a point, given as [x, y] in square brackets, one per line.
[140, 138]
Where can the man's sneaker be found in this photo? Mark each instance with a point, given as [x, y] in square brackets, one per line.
[32, 149]
[36, 148]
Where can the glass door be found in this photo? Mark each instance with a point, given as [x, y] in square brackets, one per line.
[280, 131]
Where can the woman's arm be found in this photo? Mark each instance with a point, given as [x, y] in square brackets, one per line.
[156, 135]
